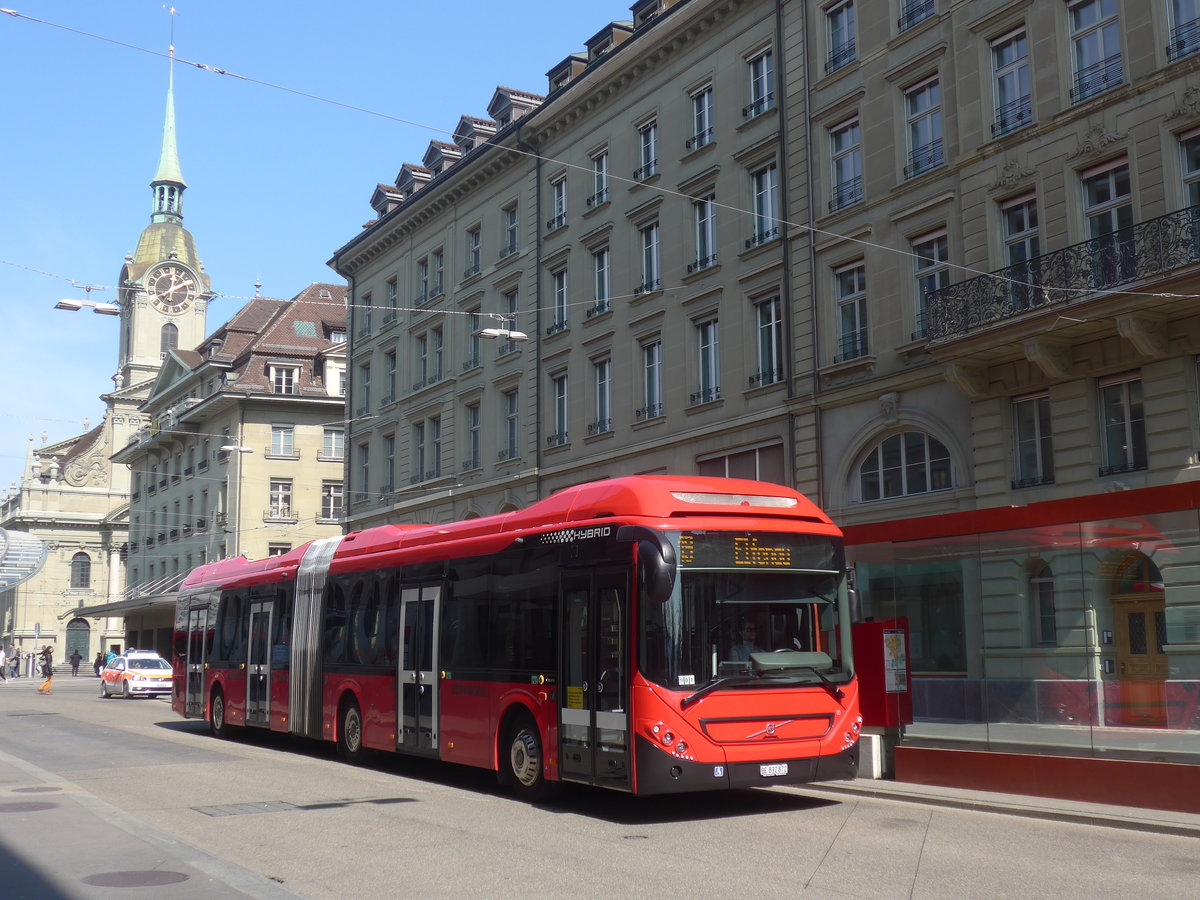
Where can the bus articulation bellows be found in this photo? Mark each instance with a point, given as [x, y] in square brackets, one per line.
[649, 634]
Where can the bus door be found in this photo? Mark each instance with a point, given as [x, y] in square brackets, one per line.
[594, 703]
[258, 664]
[197, 630]
[417, 715]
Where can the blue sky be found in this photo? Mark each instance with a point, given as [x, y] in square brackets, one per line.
[276, 181]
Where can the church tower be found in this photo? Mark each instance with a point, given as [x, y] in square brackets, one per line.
[164, 291]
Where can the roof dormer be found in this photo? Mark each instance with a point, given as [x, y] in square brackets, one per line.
[646, 10]
[472, 132]
[441, 156]
[385, 199]
[607, 38]
[567, 71]
[411, 179]
[509, 104]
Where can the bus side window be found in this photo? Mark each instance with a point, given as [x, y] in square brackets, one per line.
[335, 621]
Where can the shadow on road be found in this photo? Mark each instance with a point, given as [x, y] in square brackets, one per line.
[571, 799]
[19, 879]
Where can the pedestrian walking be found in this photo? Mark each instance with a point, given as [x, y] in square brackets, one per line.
[16, 662]
[47, 655]
[98, 662]
[76, 659]
[3, 666]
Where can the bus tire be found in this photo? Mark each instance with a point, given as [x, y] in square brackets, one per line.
[217, 723]
[522, 761]
[350, 733]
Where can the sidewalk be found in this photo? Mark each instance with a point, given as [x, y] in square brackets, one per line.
[1127, 817]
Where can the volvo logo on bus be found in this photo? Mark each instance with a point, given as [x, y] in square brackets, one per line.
[571, 535]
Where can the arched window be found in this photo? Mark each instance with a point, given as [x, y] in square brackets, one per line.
[911, 462]
[81, 571]
[1041, 605]
[168, 338]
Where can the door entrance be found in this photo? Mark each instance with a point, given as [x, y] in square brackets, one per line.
[1140, 631]
[197, 628]
[594, 710]
[417, 714]
[258, 664]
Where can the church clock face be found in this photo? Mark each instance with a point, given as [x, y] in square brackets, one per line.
[172, 289]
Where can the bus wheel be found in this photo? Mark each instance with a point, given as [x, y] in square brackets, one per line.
[524, 755]
[350, 736]
[216, 715]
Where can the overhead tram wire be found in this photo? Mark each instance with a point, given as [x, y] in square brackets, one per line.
[216, 70]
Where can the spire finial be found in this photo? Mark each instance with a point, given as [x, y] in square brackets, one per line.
[168, 183]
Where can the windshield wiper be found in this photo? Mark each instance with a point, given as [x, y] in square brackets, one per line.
[829, 685]
[716, 683]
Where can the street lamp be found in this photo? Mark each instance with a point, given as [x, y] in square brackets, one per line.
[99, 308]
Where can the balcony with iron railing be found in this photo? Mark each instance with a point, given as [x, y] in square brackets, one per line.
[846, 193]
[762, 236]
[599, 308]
[839, 56]
[706, 395]
[704, 262]
[765, 377]
[556, 327]
[1185, 40]
[647, 171]
[1068, 278]
[600, 426]
[558, 439]
[1013, 115]
[653, 411]
[913, 12]
[598, 199]
[852, 345]
[700, 139]
[759, 105]
[1097, 78]
[924, 158]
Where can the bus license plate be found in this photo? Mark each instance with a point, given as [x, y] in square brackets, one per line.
[773, 770]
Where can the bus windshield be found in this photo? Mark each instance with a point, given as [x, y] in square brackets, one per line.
[722, 623]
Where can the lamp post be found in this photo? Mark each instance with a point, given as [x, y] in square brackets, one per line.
[99, 307]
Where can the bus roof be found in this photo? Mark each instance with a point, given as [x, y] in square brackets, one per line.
[655, 500]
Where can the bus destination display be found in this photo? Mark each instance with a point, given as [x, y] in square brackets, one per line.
[758, 550]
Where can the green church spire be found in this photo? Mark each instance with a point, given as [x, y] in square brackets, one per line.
[168, 184]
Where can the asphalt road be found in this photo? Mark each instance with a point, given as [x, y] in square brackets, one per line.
[106, 798]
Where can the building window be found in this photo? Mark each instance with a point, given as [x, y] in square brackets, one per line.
[1033, 437]
[364, 389]
[602, 377]
[708, 348]
[510, 301]
[931, 267]
[283, 440]
[365, 310]
[762, 85]
[913, 12]
[1095, 47]
[474, 358]
[333, 443]
[704, 210]
[389, 364]
[923, 121]
[474, 448]
[438, 262]
[281, 498]
[393, 300]
[1122, 426]
[511, 424]
[770, 344]
[648, 142]
[558, 286]
[283, 379]
[652, 393]
[911, 462]
[1041, 602]
[599, 179]
[702, 118]
[422, 280]
[1185, 28]
[278, 549]
[474, 251]
[421, 361]
[558, 203]
[764, 187]
[764, 463]
[1010, 82]
[1190, 147]
[840, 28]
[1019, 219]
[600, 281]
[508, 244]
[168, 338]
[561, 412]
[852, 311]
[81, 572]
[436, 344]
[650, 270]
[1108, 210]
[435, 448]
[845, 143]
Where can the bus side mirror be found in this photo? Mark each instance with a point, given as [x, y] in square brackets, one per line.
[656, 561]
[855, 606]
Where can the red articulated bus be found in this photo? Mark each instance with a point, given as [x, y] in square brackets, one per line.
[650, 634]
